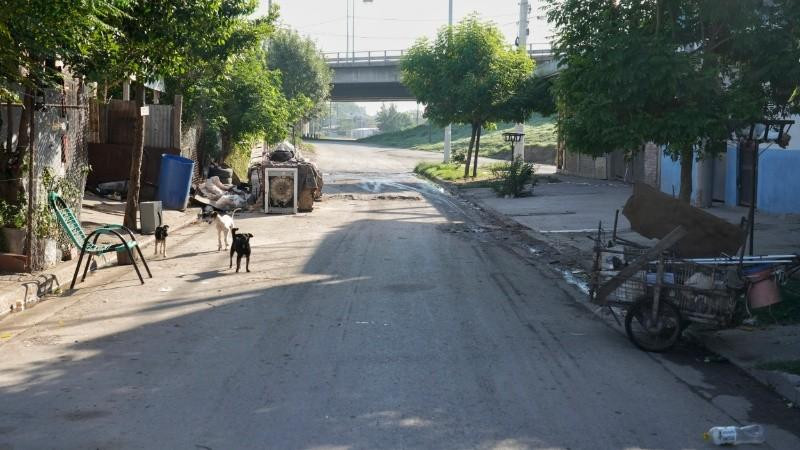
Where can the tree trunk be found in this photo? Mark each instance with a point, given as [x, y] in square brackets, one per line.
[687, 160]
[225, 147]
[9, 131]
[135, 179]
[30, 103]
[477, 149]
[468, 159]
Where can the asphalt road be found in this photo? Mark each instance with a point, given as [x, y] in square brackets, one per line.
[393, 316]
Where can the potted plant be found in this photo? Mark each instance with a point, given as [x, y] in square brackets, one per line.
[12, 225]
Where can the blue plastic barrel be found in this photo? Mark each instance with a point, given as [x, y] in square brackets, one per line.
[174, 180]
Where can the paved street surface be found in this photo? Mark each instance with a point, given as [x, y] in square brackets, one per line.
[393, 316]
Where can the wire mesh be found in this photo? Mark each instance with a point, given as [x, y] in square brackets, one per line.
[702, 292]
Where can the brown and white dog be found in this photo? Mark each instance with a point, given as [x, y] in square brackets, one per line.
[161, 239]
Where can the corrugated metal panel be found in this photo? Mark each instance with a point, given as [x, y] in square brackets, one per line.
[159, 127]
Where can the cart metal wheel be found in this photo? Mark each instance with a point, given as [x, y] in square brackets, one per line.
[651, 335]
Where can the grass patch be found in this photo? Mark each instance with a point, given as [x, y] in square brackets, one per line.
[454, 173]
[539, 131]
[788, 366]
[306, 147]
[787, 312]
[239, 159]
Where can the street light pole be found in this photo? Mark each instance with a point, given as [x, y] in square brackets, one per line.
[353, 34]
[448, 128]
[519, 147]
[347, 26]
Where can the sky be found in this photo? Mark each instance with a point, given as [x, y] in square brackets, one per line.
[396, 24]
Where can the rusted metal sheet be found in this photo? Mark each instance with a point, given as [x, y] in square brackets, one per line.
[112, 162]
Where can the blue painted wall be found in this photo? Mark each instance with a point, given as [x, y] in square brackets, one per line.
[778, 179]
[671, 176]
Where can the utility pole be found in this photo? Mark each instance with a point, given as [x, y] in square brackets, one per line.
[347, 25]
[448, 129]
[519, 147]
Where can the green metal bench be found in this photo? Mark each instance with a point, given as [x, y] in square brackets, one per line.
[88, 244]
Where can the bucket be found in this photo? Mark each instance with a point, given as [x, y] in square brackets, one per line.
[174, 180]
[763, 289]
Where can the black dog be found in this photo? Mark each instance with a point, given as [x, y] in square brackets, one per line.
[161, 239]
[241, 245]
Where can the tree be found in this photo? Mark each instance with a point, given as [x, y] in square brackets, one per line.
[34, 34]
[167, 39]
[467, 75]
[305, 77]
[252, 105]
[390, 119]
[673, 72]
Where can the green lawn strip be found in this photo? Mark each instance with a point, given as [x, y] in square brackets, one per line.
[454, 173]
[788, 366]
[539, 131]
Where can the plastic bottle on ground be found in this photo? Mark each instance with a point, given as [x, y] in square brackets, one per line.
[750, 434]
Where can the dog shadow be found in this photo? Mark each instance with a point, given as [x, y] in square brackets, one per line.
[200, 277]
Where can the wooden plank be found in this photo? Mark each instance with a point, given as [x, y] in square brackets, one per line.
[121, 122]
[638, 264]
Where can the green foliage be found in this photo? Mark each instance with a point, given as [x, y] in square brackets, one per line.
[252, 104]
[34, 33]
[791, 366]
[539, 131]
[467, 75]
[675, 72]
[12, 214]
[390, 119]
[183, 41]
[45, 222]
[306, 78]
[239, 158]
[450, 172]
[787, 312]
[512, 178]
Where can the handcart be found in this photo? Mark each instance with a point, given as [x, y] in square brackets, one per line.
[661, 295]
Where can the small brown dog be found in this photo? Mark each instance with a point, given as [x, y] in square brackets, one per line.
[161, 239]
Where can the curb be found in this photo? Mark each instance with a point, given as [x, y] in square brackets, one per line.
[29, 293]
[785, 385]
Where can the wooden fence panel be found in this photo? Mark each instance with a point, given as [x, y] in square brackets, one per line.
[121, 122]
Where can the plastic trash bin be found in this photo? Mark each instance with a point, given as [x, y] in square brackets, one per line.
[174, 180]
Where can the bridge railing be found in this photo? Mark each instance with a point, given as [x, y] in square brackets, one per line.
[383, 57]
[376, 57]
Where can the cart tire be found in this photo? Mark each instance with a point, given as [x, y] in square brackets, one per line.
[658, 337]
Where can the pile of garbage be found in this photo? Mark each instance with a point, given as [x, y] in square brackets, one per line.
[226, 197]
[284, 155]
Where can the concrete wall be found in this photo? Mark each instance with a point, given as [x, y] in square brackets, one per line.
[671, 176]
[778, 182]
